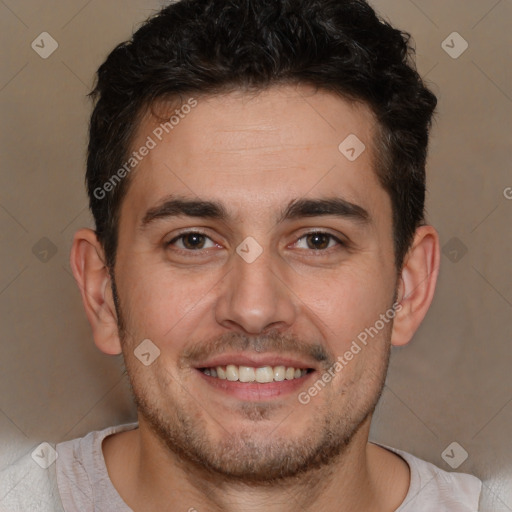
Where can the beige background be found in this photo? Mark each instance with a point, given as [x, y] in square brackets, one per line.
[452, 383]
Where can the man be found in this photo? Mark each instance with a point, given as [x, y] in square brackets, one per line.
[256, 171]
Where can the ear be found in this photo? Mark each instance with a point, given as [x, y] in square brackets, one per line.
[416, 285]
[93, 278]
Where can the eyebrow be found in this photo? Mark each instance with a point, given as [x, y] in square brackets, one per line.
[176, 206]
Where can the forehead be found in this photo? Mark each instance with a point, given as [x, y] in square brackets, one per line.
[256, 150]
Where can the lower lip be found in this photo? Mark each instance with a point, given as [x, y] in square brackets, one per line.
[254, 391]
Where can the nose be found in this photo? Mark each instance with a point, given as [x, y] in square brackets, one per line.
[255, 297]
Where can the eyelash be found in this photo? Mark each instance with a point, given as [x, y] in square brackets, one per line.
[190, 252]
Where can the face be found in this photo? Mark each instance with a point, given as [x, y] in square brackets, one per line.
[248, 240]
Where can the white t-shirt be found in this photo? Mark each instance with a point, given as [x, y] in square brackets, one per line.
[78, 481]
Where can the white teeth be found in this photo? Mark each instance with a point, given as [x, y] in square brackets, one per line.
[279, 373]
[246, 374]
[231, 372]
[265, 374]
[262, 375]
[290, 373]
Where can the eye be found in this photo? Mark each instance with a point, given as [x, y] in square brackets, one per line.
[195, 241]
[319, 241]
[191, 241]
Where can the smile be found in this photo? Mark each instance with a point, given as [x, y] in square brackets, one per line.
[262, 375]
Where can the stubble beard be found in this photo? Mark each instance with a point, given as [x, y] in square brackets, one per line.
[241, 456]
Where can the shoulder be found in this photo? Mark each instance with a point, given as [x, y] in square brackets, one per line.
[83, 455]
[82, 476]
[25, 485]
[432, 488]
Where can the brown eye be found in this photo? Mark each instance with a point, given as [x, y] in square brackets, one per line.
[191, 241]
[319, 241]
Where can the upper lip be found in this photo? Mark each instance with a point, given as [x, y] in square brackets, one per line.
[254, 360]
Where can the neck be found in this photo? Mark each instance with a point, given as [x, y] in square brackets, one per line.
[149, 477]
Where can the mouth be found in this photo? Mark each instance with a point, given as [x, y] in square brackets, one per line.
[262, 375]
[255, 377]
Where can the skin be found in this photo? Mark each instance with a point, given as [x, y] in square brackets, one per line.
[197, 446]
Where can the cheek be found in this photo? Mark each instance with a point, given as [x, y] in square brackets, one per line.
[160, 300]
[346, 301]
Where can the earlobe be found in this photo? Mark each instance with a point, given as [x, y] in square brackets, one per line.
[92, 276]
[416, 284]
